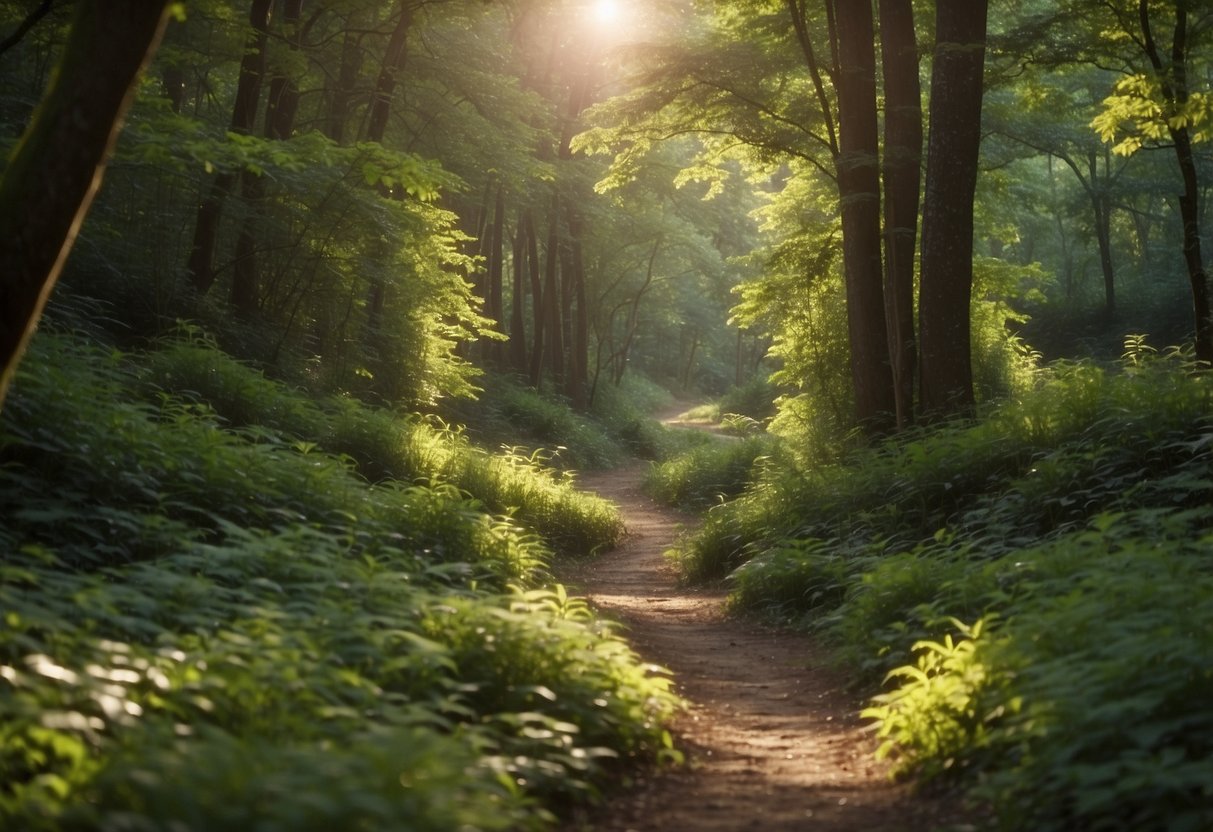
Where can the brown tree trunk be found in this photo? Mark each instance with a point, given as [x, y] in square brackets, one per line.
[495, 309]
[281, 105]
[551, 296]
[1101, 208]
[381, 104]
[517, 343]
[859, 194]
[343, 87]
[1175, 90]
[537, 304]
[56, 168]
[579, 359]
[946, 284]
[902, 164]
[201, 264]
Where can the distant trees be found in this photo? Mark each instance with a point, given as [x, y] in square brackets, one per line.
[57, 167]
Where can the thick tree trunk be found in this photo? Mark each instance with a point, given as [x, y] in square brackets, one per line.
[201, 264]
[859, 192]
[902, 165]
[946, 284]
[57, 166]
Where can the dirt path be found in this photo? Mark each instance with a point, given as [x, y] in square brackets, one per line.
[770, 734]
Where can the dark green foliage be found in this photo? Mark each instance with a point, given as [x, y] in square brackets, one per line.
[219, 628]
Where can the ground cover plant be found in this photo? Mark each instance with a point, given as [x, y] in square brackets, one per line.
[215, 627]
[384, 444]
[1033, 587]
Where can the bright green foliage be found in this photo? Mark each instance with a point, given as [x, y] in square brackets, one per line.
[213, 627]
[1074, 526]
[709, 473]
[384, 445]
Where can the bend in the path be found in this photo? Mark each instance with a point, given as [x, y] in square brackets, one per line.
[771, 734]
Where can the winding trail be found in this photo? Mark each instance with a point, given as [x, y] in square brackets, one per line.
[770, 733]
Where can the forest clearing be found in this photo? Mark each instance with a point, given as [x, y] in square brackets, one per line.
[469, 415]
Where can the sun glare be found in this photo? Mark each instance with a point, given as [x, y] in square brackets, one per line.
[606, 11]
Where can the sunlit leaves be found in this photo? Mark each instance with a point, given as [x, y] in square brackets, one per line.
[1138, 113]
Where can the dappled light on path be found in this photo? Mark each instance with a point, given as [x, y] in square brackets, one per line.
[770, 732]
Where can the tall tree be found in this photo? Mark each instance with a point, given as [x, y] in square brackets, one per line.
[201, 264]
[57, 167]
[858, 167]
[901, 167]
[953, 145]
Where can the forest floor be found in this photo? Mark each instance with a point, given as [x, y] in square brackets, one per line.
[771, 732]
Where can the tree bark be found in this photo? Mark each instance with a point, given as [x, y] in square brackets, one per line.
[58, 165]
[902, 165]
[946, 283]
[859, 193]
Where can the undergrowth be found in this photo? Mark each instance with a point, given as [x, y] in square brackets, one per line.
[212, 622]
[1036, 589]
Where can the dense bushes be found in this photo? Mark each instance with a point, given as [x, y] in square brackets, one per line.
[1037, 586]
[227, 628]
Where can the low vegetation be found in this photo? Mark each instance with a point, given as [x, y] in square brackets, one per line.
[1035, 588]
[227, 607]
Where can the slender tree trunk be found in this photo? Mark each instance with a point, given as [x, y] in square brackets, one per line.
[381, 104]
[579, 357]
[1174, 82]
[946, 284]
[517, 343]
[551, 296]
[902, 164]
[342, 90]
[495, 308]
[201, 264]
[1101, 210]
[859, 192]
[57, 167]
[538, 307]
[281, 105]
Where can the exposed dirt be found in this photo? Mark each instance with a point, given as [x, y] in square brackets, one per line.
[771, 733]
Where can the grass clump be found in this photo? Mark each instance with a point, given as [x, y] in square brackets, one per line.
[710, 472]
[1034, 588]
[209, 627]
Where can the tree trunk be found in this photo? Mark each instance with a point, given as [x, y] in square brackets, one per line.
[56, 168]
[537, 310]
[517, 343]
[347, 78]
[859, 193]
[1101, 210]
[551, 296]
[902, 163]
[946, 283]
[495, 309]
[1175, 90]
[381, 104]
[281, 105]
[201, 264]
